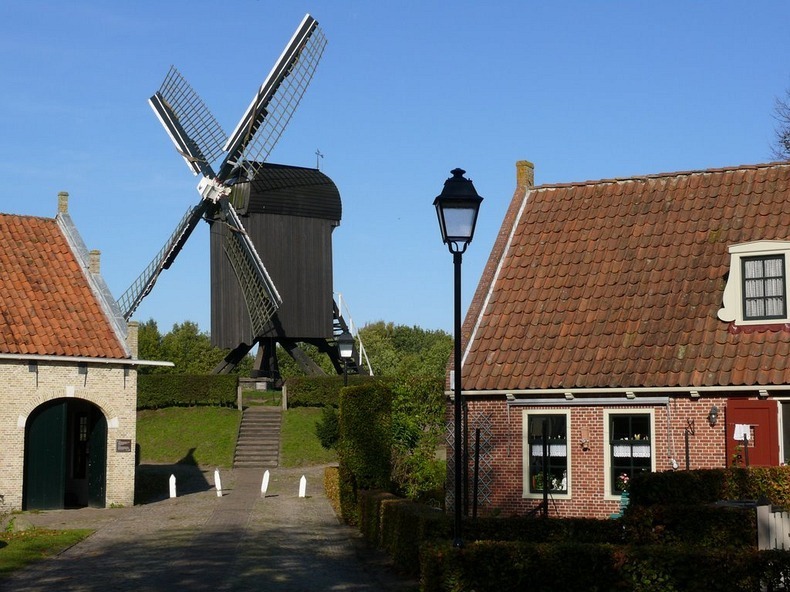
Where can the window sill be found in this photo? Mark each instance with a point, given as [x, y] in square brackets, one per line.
[759, 327]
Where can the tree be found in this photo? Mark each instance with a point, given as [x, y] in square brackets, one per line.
[186, 346]
[149, 346]
[781, 147]
[400, 350]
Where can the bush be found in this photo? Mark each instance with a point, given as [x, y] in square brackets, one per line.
[319, 391]
[572, 566]
[332, 487]
[707, 486]
[365, 443]
[328, 428]
[155, 391]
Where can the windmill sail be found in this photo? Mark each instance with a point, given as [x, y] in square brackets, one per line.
[191, 126]
[131, 299]
[201, 142]
[272, 107]
[259, 290]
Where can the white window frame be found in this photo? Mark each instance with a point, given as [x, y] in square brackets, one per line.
[607, 456]
[525, 453]
[733, 300]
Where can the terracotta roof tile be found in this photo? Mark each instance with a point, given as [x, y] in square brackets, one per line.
[46, 303]
[617, 283]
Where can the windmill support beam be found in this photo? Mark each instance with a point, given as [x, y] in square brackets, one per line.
[234, 357]
[304, 361]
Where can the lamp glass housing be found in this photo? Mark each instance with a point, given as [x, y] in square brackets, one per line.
[345, 345]
[456, 208]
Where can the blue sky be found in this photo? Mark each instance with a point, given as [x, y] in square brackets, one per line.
[406, 91]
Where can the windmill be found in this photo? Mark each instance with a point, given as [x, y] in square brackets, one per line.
[239, 194]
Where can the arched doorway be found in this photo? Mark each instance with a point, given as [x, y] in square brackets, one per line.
[65, 456]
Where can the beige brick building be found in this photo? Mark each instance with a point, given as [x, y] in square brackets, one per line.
[68, 372]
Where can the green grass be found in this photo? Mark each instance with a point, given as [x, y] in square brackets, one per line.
[299, 445]
[206, 437]
[18, 549]
[201, 436]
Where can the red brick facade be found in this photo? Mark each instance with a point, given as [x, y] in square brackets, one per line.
[589, 495]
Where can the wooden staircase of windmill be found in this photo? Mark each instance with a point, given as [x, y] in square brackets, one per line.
[258, 443]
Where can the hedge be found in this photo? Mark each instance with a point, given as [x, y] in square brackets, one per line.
[174, 390]
[365, 445]
[705, 486]
[318, 391]
[502, 566]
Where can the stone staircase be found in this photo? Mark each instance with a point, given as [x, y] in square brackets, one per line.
[258, 444]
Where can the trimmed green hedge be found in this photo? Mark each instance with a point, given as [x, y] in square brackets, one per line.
[318, 391]
[705, 486]
[502, 566]
[365, 445]
[174, 390]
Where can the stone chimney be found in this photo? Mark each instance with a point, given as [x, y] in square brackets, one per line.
[94, 265]
[63, 202]
[132, 338]
[525, 174]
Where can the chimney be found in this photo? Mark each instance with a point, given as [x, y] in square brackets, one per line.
[132, 336]
[94, 265]
[525, 174]
[63, 202]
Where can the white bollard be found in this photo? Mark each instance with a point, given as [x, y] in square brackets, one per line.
[302, 486]
[217, 483]
[172, 485]
[265, 483]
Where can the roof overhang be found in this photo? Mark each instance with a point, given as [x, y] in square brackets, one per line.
[78, 359]
[619, 395]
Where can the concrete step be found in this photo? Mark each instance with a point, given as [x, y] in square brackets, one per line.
[258, 441]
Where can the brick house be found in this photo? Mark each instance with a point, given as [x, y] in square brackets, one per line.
[635, 324]
[68, 372]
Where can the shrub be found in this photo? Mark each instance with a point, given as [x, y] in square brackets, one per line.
[365, 442]
[328, 428]
[707, 486]
[155, 391]
[319, 391]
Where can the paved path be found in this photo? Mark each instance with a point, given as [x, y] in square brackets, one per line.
[240, 542]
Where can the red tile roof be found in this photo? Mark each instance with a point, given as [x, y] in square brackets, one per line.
[46, 303]
[617, 283]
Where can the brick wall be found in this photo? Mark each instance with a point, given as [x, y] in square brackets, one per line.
[589, 494]
[112, 388]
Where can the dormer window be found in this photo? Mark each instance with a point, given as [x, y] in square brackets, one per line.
[764, 288]
[757, 287]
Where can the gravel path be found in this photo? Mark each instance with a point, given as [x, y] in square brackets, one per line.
[239, 542]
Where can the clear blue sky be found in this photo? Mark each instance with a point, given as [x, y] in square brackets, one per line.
[406, 91]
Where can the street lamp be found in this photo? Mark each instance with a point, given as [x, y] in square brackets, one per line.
[457, 207]
[345, 344]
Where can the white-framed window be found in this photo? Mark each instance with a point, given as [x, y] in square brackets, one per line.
[757, 286]
[630, 447]
[546, 453]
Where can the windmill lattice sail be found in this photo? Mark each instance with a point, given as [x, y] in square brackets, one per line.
[201, 141]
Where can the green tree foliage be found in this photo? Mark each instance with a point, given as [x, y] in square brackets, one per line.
[290, 369]
[186, 346]
[399, 350]
[418, 428]
[781, 146]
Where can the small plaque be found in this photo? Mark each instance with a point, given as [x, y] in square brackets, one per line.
[123, 446]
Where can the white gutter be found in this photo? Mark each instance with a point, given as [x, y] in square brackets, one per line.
[107, 361]
[608, 401]
[691, 390]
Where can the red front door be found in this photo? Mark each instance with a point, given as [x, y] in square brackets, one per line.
[759, 420]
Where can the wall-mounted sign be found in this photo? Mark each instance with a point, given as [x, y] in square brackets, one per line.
[123, 446]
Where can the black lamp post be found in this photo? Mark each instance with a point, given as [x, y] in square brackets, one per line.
[457, 207]
[345, 344]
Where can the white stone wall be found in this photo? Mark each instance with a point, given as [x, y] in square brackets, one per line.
[112, 388]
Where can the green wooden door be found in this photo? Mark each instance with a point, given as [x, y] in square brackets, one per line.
[97, 462]
[45, 457]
